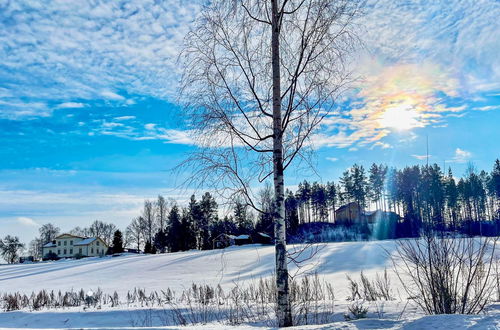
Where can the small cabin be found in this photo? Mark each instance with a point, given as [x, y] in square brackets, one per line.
[349, 214]
[223, 241]
[263, 238]
[242, 239]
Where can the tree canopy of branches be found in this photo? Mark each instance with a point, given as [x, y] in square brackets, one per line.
[259, 77]
[10, 247]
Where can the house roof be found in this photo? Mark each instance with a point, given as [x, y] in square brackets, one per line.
[242, 237]
[66, 234]
[49, 244]
[86, 241]
[264, 235]
[347, 205]
[225, 235]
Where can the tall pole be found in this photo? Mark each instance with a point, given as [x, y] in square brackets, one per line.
[427, 155]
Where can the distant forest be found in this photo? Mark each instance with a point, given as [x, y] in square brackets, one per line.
[424, 197]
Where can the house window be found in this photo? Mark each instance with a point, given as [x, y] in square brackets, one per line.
[59, 243]
[50, 251]
[70, 251]
[92, 250]
[97, 243]
[70, 242]
[97, 251]
[65, 243]
[80, 250]
[64, 251]
[58, 251]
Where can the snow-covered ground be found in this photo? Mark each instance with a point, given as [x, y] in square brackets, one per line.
[228, 267]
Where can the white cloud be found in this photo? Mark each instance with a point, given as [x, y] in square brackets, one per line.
[88, 50]
[421, 157]
[461, 156]
[149, 131]
[488, 108]
[332, 159]
[382, 145]
[112, 96]
[70, 105]
[77, 49]
[25, 221]
[125, 118]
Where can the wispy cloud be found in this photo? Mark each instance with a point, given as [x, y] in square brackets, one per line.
[149, 131]
[332, 159]
[88, 50]
[461, 156]
[488, 108]
[400, 97]
[125, 118]
[112, 96]
[25, 221]
[67, 105]
[381, 145]
[421, 157]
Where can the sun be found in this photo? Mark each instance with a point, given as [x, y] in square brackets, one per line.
[400, 117]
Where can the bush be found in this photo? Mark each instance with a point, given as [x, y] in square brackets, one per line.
[51, 256]
[447, 275]
[356, 311]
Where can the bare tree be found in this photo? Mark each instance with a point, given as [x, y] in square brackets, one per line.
[259, 77]
[48, 232]
[134, 233]
[36, 248]
[161, 211]
[78, 231]
[100, 229]
[149, 217]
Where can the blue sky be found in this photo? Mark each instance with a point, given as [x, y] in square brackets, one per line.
[90, 126]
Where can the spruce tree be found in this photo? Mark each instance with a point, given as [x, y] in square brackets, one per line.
[117, 242]
[174, 230]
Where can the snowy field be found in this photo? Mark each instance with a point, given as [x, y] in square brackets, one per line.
[229, 267]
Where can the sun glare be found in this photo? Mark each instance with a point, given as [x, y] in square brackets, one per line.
[399, 117]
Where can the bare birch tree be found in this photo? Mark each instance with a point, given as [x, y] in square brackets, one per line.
[259, 77]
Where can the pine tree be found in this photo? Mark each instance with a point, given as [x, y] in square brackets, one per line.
[495, 187]
[160, 241]
[117, 246]
[174, 230]
[242, 218]
[207, 215]
[148, 248]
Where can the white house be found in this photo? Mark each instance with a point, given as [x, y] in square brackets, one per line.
[68, 246]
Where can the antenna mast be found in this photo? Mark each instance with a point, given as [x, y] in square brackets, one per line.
[427, 154]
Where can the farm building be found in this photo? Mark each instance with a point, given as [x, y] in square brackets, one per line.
[348, 214]
[68, 246]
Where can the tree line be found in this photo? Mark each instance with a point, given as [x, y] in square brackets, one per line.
[425, 197]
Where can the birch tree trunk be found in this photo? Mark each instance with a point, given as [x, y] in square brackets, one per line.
[284, 312]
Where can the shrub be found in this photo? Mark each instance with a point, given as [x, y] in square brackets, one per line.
[356, 311]
[447, 275]
[51, 256]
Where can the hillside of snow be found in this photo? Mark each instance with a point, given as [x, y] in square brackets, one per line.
[227, 268]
